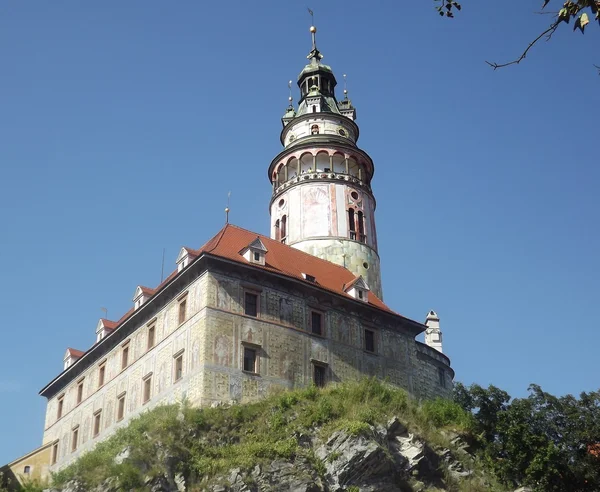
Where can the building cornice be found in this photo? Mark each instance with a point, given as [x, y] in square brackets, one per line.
[324, 115]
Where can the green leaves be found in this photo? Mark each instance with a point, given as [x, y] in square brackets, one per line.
[446, 8]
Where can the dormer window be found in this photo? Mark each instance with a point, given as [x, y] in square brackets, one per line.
[358, 289]
[141, 295]
[104, 328]
[255, 252]
[185, 257]
[309, 278]
[71, 356]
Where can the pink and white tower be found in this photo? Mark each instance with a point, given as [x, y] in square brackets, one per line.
[322, 200]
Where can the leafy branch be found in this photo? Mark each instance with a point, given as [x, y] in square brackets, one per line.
[571, 9]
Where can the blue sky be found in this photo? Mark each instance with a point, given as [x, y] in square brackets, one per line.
[123, 126]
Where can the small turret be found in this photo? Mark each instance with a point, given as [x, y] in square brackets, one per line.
[433, 334]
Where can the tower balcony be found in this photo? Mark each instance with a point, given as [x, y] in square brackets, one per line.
[325, 175]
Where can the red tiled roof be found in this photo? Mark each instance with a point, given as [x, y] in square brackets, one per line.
[280, 258]
[75, 353]
[285, 260]
[147, 290]
[111, 325]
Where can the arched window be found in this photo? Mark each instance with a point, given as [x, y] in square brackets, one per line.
[314, 130]
[361, 228]
[351, 223]
[314, 110]
[283, 229]
[277, 230]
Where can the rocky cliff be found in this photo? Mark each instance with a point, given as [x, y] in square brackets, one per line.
[363, 436]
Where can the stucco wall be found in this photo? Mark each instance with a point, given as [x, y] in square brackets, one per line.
[38, 462]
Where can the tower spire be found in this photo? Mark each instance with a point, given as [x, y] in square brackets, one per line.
[314, 55]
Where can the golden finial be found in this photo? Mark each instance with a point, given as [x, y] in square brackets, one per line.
[290, 99]
[313, 29]
[227, 208]
[345, 88]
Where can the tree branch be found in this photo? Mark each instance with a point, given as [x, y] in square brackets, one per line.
[548, 32]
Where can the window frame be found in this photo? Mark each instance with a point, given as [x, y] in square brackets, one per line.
[316, 312]
[125, 355]
[146, 388]
[74, 438]
[101, 374]
[182, 314]
[442, 377]
[79, 395]
[374, 340]
[178, 361]
[248, 292]
[256, 350]
[319, 366]
[151, 335]
[54, 453]
[97, 427]
[60, 406]
[121, 406]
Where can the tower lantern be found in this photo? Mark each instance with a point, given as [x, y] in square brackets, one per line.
[322, 200]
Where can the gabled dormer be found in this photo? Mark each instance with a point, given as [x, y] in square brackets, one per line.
[255, 252]
[358, 289]
[71, 356]
[141, 295]
[103, 328]
[186, 255]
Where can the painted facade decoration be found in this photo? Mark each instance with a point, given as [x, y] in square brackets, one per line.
[246, 313]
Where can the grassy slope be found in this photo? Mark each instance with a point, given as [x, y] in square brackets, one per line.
[210, 441]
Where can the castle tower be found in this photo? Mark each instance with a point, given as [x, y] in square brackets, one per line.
[322, 200]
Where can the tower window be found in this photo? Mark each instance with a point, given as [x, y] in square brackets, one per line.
[314, 130]
[361, 228]
[283, 229]
[314, 110]
[277, 231]
[351, 223]
[442, 377]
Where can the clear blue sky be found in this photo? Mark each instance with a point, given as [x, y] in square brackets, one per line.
[123, 125]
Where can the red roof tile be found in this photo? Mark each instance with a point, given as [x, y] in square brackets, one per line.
[75, 353]
[285, 260]
[147, 290]
[111, 325]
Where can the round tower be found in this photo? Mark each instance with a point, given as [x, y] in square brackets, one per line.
[322, 200]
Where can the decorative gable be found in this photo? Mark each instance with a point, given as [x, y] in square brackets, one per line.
[71, 356]
[141, 295]
[186, 255]
[255, 252]
[358, 289]
[104, 328]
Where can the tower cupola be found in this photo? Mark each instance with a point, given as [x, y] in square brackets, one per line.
[322, 200]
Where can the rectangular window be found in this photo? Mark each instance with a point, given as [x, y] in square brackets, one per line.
[182, 309]
[125, 356]
[97, 422]
[79, 391]
[101, 374]
[147, 389]
[54, 457]
[61, 406]
[250, 304]
[151, 336]
[369, 341]
[178, 367]
[319, 372]
[74, 438]
[249, 360]
[442, 377]
[120, 407]
[316, 323]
